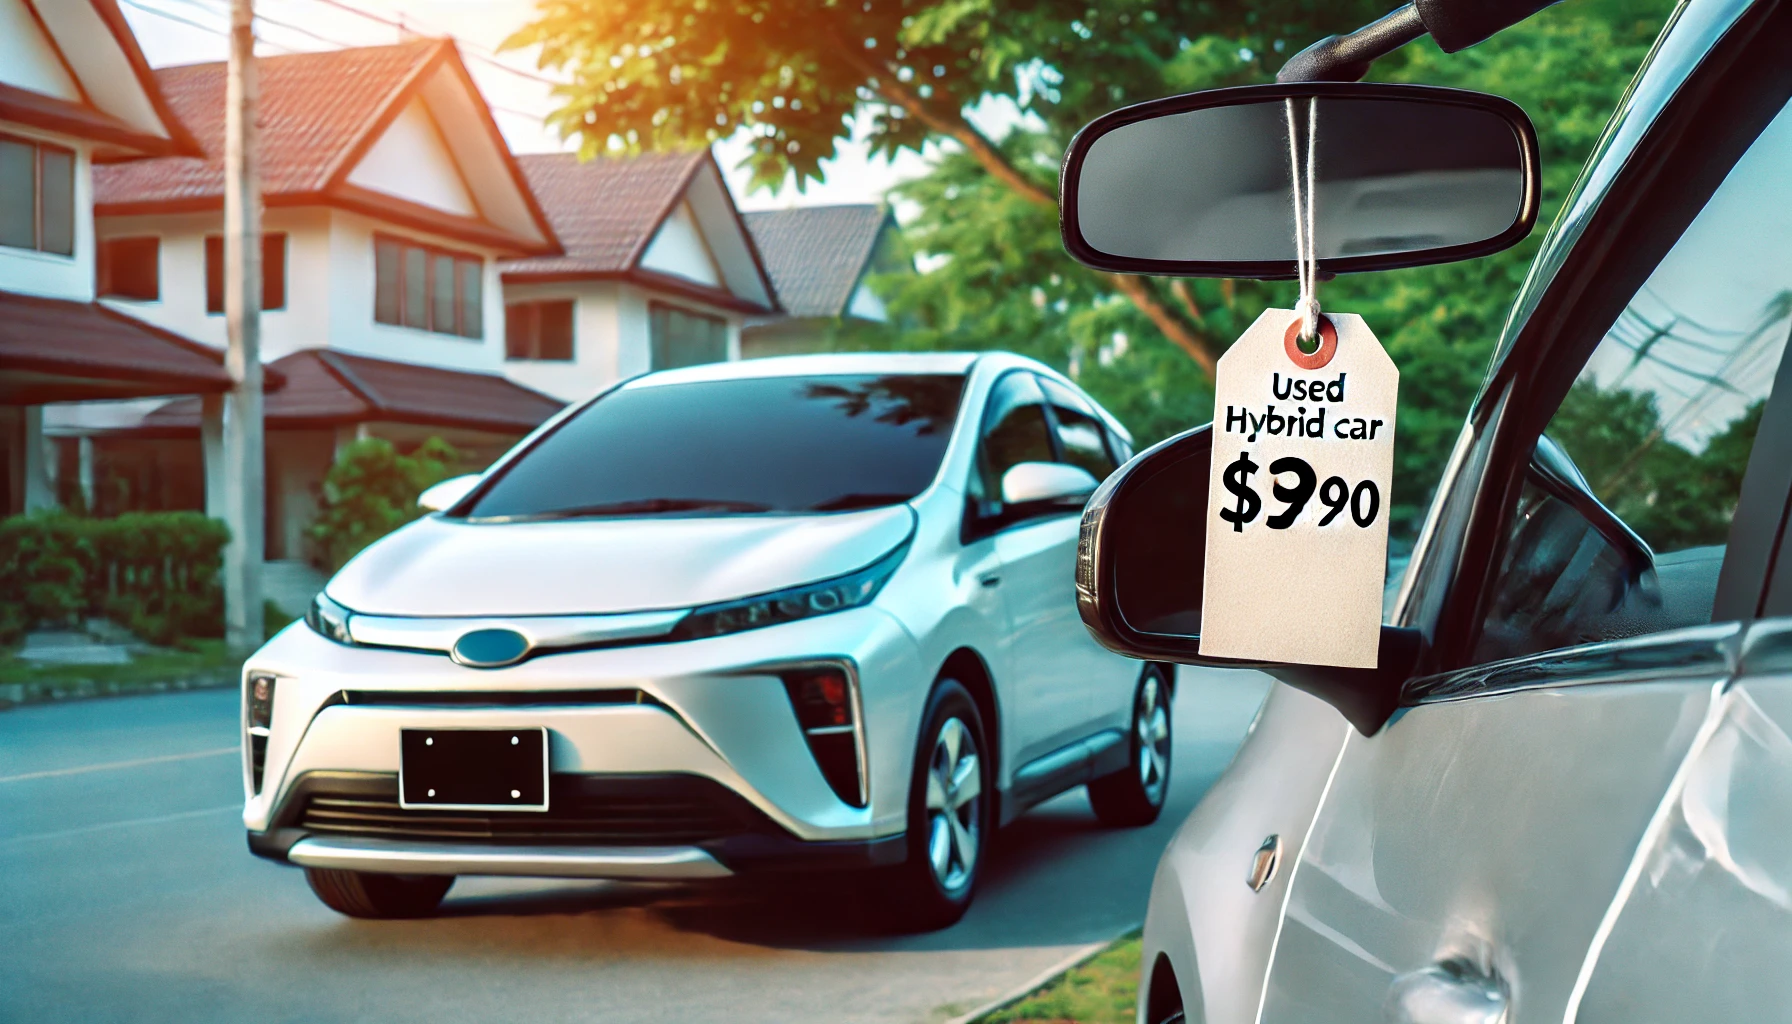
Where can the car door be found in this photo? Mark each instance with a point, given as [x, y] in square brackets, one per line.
[1108, 680]
[1037, 557]
[1550, 830]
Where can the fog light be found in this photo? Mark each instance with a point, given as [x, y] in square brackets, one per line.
[261, 702]
[826, 709]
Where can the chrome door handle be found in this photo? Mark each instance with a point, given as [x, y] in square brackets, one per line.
[1454, 991]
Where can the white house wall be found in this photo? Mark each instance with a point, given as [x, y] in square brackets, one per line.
[597, 340]
[411, 161]
[50, 274]
[865, 305]
[303, 323]
[679, 249]
[28, 57]
[352, 328]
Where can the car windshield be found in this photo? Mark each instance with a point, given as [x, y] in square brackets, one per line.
[725, 447]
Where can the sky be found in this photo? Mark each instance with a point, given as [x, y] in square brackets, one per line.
[192, 31]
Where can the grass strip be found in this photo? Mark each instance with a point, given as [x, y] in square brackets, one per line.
[1103, 990]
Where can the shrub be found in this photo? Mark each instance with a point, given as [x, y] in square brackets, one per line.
[372, 490]
[156, 573]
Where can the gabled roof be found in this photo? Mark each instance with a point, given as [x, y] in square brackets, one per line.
[329, 388]
[119, 105]
[57, 350]
[817, 255]
[607, 211]
[319, 113]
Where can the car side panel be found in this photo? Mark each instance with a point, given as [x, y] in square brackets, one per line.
[1203, 917]
[1704, 929]
[1493, 831]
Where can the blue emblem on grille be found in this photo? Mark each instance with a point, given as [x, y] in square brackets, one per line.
[490, 648]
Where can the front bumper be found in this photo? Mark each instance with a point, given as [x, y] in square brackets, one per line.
[654, 726]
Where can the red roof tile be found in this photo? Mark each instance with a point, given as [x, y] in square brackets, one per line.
[326, 387]
[606, 210]
[58, 350]
[314, 107]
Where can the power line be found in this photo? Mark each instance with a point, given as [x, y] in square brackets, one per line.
[212, 29]
[475, 51]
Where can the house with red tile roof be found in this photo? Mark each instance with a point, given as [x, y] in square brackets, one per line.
[76, 96]
[658, 271]
[390, 200]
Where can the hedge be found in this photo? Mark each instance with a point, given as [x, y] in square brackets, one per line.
[157, 573]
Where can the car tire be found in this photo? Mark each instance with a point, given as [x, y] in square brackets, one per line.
[368, 895]
[948, 816]
[1135, 795]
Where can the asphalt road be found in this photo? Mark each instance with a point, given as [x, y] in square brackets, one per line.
[126, 894]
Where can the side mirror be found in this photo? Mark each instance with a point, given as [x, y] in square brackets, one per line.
[1140, 558]
[1555, 474]
[448, 493]
[1201, 185]
[1033, 482]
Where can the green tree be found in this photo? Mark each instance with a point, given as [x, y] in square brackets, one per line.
[796, 75]
[372, 490]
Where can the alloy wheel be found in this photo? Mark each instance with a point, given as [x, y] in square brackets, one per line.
[1152, 724]
[954, 806]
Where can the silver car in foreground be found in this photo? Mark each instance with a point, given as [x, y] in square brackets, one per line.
[790, 614]
[1566, 793]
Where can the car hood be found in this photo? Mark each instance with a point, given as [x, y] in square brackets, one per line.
[443, 567]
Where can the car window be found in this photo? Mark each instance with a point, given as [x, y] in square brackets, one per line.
[763, 444]
[1015, 430]
[1081, 434]
[1660, 424]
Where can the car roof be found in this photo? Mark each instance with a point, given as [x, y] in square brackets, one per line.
[814, 365]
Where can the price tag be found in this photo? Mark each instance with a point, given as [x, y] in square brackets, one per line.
[1297, 503]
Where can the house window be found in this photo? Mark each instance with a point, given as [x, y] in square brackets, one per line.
[273, 272]
[428, 288]
[37, 196]
[682, 338]
[538, 330]
[128, 269]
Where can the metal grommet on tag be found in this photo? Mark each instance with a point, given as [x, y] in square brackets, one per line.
[1328, 344]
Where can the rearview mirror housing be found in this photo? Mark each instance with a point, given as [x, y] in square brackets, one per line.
[1140, 557]
[447, 494]
[1200, 185]
[1027, 483]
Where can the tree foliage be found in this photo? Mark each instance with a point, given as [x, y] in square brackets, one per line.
[372, 490]
[796, 75]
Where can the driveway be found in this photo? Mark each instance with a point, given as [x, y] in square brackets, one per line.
[126, 894]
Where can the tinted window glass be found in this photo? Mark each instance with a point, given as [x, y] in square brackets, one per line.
[127, 268]
[273, 270]
[681, 338]
[1660, 422]
[58, 201]
[1014, 431]
[773, 444]
[18, 194]
[442, 291]
[416, 288]
[386, 281]
[472, 302]
[1080, 433]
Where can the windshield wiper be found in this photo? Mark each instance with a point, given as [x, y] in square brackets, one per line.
[648, 507]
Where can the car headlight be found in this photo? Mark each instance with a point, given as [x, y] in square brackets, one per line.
[329, 619]
[853, 590]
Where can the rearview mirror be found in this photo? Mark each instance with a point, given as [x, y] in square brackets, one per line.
[447, 494]
[1200, 185]
[1140, 557]
[1028, 482]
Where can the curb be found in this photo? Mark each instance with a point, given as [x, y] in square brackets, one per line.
[1070, 963]
[21, 694]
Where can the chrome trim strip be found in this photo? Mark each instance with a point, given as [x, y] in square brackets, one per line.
[394, 856]
[544, 632]
[1678, 653]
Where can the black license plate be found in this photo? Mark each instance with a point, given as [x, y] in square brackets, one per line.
[474, 769]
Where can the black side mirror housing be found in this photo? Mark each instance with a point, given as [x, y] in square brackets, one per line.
[1140, 558]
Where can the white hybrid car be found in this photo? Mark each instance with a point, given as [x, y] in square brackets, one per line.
[790, 614]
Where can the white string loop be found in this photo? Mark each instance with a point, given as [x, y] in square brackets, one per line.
[1306, 246]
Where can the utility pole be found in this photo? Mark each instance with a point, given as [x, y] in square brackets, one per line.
[244, 475]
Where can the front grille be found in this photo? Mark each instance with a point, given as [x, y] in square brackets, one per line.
[583, 810]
